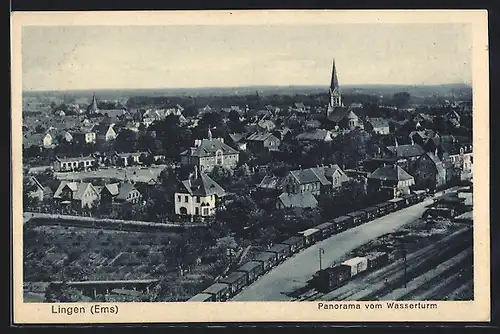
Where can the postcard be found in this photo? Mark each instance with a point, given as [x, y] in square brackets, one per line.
[250, 166]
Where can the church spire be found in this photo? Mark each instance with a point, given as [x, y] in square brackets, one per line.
[93, 106]
[334, 85]
[335, 97]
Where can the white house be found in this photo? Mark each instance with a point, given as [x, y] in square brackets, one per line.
[198, 196]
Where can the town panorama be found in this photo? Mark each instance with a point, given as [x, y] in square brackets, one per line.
[331, 194]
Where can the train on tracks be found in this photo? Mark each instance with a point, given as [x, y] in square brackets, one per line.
[264, 261]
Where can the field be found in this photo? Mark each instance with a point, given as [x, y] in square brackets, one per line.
[184, 261]
[134, 173]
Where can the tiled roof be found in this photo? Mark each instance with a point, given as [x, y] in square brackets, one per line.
[378, 122]
[124, 190]
[391, 173]
[112, 188]
[270, 182]
[209, 147]
[338, 114]
[406, 151]
[259, 136]
[70, 159]
[318, 134]
[305, 200]
[236, 137]
[203, 185]
[305, 176]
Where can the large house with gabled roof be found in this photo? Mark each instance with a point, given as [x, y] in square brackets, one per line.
[76, 194]
[198, 195]
[391, 180]
[210, 152]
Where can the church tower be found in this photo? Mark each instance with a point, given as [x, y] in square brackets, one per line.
[335, 96]
[92, 108]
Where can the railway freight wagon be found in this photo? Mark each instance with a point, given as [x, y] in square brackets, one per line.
[310, 236]
[385, 208]
[411, 199]
[398, 203]
[236, 280]
[295, 244]
[202, 297]
[420, 195]
[358, 217]
[371, 212]
[330, 278]
[377, 260]
[357, 265]
[326, 230]
[253, 269]
[342, 223]
[220, 291]
[267, 259]
[281, 251]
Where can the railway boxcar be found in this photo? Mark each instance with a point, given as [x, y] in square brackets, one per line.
[377, 260]
[281, 251]
[236, 281]
[253, 269]
[357, 265]
[220, 291]
[326, 229]
[267, 259]
[358, 217]
[310, 236]
[295, 243]
[385, 208]
[371, 212]
[398, 203]
[202, 297]
[330, 278]
[342, 223]
[420, 195]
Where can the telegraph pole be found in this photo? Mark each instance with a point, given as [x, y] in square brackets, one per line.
[320, 252]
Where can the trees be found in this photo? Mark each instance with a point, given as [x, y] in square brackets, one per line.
[126, 141]
[401, 99]
[222, 175]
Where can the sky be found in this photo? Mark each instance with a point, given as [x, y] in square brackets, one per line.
[127, 57]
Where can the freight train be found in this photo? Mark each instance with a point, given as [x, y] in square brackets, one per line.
[331, 278]
[248, 273]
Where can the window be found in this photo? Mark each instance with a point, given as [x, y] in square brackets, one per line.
[178, 198]
[196, 211]
[197, 199]
[205, 211]
[186, 199]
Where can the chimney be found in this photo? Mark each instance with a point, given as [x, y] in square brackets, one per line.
[395, 142]
[209, 134]
[412, 142]
[436, 152]
[195, 172]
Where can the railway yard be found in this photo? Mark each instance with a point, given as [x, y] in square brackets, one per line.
[439, 271]
[423, 259]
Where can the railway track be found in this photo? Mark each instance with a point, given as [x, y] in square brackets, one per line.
[378, 283]
[423, 287]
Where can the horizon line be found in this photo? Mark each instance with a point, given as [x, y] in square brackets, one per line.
[238, 87]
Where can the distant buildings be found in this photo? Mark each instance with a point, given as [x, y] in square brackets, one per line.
[74, 163]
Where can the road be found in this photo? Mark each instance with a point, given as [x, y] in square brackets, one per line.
[297, 270]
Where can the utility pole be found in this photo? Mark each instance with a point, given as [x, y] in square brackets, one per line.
[320, 252]
[403, 249]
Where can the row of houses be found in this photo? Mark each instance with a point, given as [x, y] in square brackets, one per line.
[62, 164]
[82, 195]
